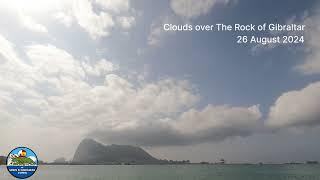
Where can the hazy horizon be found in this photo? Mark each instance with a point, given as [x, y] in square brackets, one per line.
[106, 70]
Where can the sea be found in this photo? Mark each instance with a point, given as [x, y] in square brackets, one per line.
[173, 172]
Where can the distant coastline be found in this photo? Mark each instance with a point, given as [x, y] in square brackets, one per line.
[91, 152]
[3, 162]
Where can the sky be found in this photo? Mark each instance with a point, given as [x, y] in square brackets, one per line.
[106, 69]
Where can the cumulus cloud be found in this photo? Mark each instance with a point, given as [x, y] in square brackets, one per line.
[97, 25]
[96, 17]
[296, 108]
[102, 67]
[51, 90]
[52, 93]
[219, 117]
[117, 104]
[29, 92]
[193, 8]
[52, 61]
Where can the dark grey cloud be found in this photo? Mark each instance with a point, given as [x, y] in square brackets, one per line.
[213, 123]
[156, 136]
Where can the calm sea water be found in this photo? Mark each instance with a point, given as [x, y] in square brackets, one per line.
[175, 172]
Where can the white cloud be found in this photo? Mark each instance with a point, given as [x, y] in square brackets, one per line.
[193, 8]
[52, 61]
[126, 22]
[97, 25]
[35, 6]
[16, 76]
[28, 13]
[29, 23]
[7, 50]
[96, 17]
[257, 49]
[157, 33]
[219, 119]
[296, 108]
[311, 64]
[51, 92]
[154, 113]
[26, 93]
[24, 14]
[64, 18]
[184, 11]
[116, 6]
[101, 68]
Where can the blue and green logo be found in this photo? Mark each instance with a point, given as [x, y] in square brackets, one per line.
[22, 162]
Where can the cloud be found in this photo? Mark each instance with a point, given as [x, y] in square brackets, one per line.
[52, 61]
[50, 90]
[116, 6]
[193, 8]
[29, 23]
[96, 17]
[27, 13]
[97, 25]
[64, 18]
[101, 23]
[55, 96]
[30, 90]
[126, 22]
[24, 20]
[102, 67]
[220, 118]
[260, 48]
[184, 11]
[213, 123]
[16, 76]
[7, 50]
[311, 64]
[298, 108]
[157, 33]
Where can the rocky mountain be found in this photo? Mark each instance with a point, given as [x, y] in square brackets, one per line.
[91, 152]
